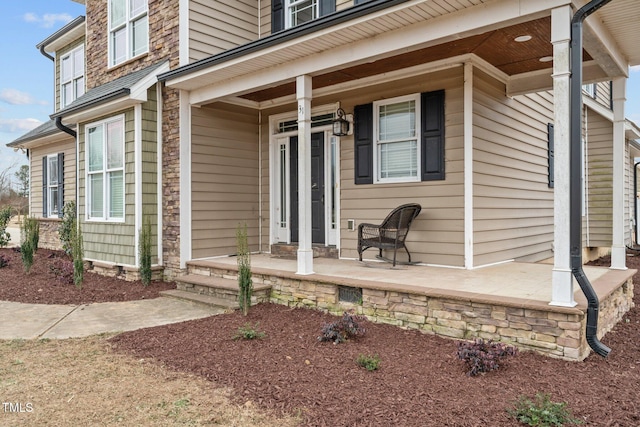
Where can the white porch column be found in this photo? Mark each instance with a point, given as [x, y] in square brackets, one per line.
[618, 249]
[305, 252]
[562, 281]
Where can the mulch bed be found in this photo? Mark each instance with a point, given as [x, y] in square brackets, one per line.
[420, 381]
[50, 281]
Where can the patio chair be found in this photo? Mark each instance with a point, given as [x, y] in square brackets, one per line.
[391, 234]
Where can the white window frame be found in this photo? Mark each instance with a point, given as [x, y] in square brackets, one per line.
[378, 143]
[127, 27]
[590, 89]
[74, 79]
[291, 5]
[51, 201]
[106, 172]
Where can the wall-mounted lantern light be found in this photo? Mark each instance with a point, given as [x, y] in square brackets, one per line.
[340, 124]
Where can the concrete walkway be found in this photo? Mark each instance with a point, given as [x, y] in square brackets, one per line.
[31, 321]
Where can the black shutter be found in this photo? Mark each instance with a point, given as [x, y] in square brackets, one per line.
[551, 154]
[60, 183]
[327, 7]
[44, 186]
[277, 15]
[363, 144]
[432, 139]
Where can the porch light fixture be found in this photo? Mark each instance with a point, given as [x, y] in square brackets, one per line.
[340, 124]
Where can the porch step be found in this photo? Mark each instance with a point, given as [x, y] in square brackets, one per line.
[200, 299]
[221, 289]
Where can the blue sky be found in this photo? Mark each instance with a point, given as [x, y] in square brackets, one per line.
[26, 77]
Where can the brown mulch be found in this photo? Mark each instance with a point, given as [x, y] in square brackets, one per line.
[50, 281]
[420, 381]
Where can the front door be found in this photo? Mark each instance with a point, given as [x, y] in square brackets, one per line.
[317, 188]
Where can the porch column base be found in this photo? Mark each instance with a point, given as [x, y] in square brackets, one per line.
[305, 261]
[618, 257]
[562, 288]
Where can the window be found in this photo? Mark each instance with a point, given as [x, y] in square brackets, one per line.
[71, 76]
[396, 133]
[290, 13]
[128, 30]
[105, 170]
[590, 89]
[52, 185]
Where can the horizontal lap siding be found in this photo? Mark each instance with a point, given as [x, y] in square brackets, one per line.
[224, 177]
[68, 147]
[513, 206]
[150, 168]
[599, 158]
[437, 235]
[603, 94]
[216, 26]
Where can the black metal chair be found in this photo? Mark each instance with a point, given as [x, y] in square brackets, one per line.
[391, 234]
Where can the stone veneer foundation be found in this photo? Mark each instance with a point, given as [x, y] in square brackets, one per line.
[49, 238]
[530, 325]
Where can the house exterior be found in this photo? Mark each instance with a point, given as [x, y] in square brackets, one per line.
[202, 115]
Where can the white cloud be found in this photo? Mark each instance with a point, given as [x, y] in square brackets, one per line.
[635, 69]
[47, 20]
[16, 97]
[18, 125]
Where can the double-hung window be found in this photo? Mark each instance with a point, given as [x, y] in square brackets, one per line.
[105, 170]
[52, 185]
[396, 133]
[71, 76]
[128, 30]
[301, 11]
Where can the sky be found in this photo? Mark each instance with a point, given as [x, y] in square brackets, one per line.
[26, 76]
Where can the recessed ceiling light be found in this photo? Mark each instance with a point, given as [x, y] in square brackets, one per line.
[546, 59]
[521, 39]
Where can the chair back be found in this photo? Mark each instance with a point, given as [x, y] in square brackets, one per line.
[399, 220]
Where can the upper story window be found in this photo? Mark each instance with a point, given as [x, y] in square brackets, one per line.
[128, 30]
[105, 169]
[301, 11]
[71, 76]
[590, 89]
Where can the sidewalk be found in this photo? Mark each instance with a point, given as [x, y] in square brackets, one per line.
[33, 321]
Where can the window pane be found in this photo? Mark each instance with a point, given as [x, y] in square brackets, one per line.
[52, 172]
[96, 195]
[118, 12]
[398, 159]
[78, 63]
[116, 195]
[65, 69]
[95, 147]
[115, 144]
[119, 46]
[138, 7]
[139, 36]
[79, 87]
[53, 201]
[303, 11]
[67, 94]
[397, 121]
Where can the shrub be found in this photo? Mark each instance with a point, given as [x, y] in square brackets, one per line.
[62, 269]
[67, 226]
[5, 216]
[30, 235]
[542, 412]
[482, 356]
[4, 261]
[349, 326]
[245, 284]
[145, 252]
[249, 332]
[77, 253]
[370, 363]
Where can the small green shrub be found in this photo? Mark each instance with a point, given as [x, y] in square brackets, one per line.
[77, 253]
[4, 261]
[248, 332]
[482, 356]
[144, 250]
[67, 226]
[5, 216]
[30, 236]
[349, 326]
[245, 284]
[542, 412]
[370, 363]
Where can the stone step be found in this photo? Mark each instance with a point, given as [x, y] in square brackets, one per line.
[201, 299]
[220, 288]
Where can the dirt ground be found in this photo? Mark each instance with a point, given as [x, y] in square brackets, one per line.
[290, 374]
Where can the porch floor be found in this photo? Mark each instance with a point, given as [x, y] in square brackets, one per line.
[517, 283]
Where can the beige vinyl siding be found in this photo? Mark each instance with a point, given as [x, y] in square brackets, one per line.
[110, 241]
[629, 196]
[216, 26]
[224, 178]
[150, 168]
[59, 54]
[599, 164]
[437, 235]
[66, 146]
[603, 94]
[513, 206]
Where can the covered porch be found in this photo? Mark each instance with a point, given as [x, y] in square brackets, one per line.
[507, 302]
